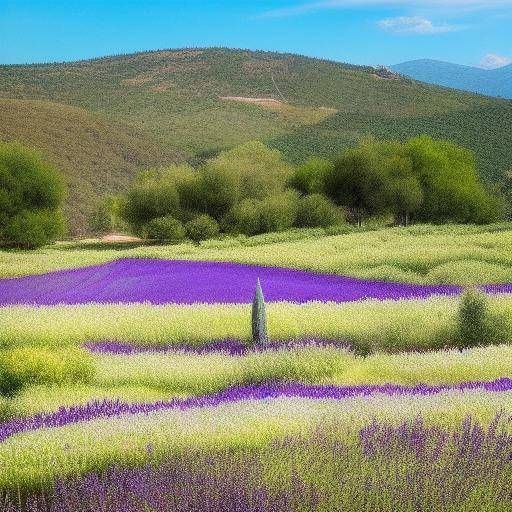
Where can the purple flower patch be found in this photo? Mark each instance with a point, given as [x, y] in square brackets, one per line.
[190, 282]
[111, 408]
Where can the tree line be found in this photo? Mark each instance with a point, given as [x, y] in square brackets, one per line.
[251, 189]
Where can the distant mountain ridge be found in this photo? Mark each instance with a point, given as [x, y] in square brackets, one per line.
[491, 82]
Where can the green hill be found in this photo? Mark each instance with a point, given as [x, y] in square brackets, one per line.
[193, 102]
[96, 156]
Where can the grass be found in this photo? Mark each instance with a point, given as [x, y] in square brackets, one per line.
[423, 254]
[174, 97]
[407, 467]
[150, 377]
[390, 326]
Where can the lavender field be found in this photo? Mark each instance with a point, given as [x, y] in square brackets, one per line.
[137, 385]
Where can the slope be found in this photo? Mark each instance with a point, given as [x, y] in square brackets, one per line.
[95, 156]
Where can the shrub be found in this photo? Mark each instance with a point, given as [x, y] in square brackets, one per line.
[309, 178]
[151, 197]
[24, 366]
[245, 218]
[202, 227]
[476, 325]
[279, 212]
[165, 229]
[30, 229]
[31, 195]
[316, 210]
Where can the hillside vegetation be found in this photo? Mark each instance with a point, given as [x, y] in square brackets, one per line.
[134, 110]
[96, 156]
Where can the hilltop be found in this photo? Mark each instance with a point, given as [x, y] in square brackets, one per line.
[491, 82]
[102, 119]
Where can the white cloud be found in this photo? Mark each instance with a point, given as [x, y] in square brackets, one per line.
[308, 7]
[414, 25]
[493, 61]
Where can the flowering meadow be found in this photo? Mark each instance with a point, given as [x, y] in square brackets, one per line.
[135, 384]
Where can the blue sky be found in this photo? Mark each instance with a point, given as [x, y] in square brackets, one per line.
[472, 32]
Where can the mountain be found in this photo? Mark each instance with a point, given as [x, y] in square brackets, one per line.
[491, 82]
[101, 120]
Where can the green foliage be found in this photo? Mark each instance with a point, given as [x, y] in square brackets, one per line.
[248, 171]
[358, 180]
[24, 366]
[202, 227]
[315, 210]
[164, 229]
[279, 212]
[476, 325]
[309, 178]
[259, 317]
[31, 195]
[105, 119]
[452, 190]
[427, 180]
[244, 217]
[153, 195]
[106, 217]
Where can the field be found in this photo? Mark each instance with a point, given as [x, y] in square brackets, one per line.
[125, 388]
[123, 113]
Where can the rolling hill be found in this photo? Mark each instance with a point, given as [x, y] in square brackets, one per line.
[491, 82]
[102, 119]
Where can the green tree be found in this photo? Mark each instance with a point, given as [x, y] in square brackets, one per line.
[201, 228]
[31, 196]
[106, 217]
[153, 195]
[315, 210]
[359, 181]
[251, 170]
[279, 212]
[244, 217]
[309, 178]
[452, 190]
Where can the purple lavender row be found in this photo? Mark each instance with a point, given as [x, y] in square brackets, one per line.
[192, 282]
[231, 347]
[111, 408]
[465, 468]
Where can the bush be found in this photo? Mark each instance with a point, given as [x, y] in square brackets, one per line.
[202, 228]
[153, 196]
[279, 212]
[166, 229]
[476, 325]
[316, 210]
[26, 366]
[309, 178]
[30, 229]
[245, 218]
[31, 196]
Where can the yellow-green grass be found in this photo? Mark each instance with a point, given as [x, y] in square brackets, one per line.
[417, 254]
[35, 459]
[149, 377]
[391, 326]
